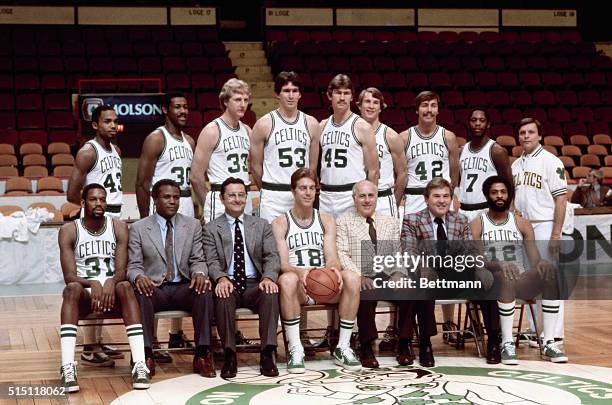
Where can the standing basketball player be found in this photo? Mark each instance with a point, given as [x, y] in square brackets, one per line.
[348, 150]
[93, 254]
[431, 151]
[306, 239]
[167, 153]
[541, 197]
[222, 150]
[505, 236]
[480, 159]
[282, 141]
[390, 149]
[99, 162]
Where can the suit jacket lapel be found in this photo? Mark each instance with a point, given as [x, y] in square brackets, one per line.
[226, 239]
[154, 233]
[426, 224]
[180, 232]
[249, 241]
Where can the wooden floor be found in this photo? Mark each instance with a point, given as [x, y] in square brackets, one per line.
[30, 347]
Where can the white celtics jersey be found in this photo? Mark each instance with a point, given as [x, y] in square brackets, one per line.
[427, 157]
[475, 166]
[107, 172]
[230, 157]
[387, 175]
[341, 153]
[286, 148]
[538, 179]
[175, 160]
[95, 253]
[502, 242]
[305, 243]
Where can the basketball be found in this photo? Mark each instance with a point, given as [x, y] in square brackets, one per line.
[322, 285]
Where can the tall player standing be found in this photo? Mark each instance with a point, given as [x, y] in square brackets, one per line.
[167, 153]
[282, 141]
[390, 149]
[99, 161]
[348, 150]
[480, 159]
[541, 197]
[222, 150]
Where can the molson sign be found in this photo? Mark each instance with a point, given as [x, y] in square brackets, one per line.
[131, 108]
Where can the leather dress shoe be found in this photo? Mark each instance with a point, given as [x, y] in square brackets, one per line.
[267, 367]
[493, 353]
[405, 356]
[179, 340]
[426, 358]
[161, 356]
[230, 367]
[150, 365]
[367, 358]
[205, 366]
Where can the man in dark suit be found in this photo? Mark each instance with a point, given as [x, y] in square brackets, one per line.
[591, 193]
[434, 223]
[167, 267]
[244, 264]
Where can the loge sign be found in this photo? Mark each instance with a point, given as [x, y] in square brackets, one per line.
[193, 16]
[373, 17]
[36, 15]
[299, 17]
[123, 15]
[539, 18]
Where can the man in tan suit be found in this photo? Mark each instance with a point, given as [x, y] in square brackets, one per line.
[362, 234]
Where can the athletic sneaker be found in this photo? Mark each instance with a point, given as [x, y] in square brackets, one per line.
[141, 376]
[68, 377]
[346, 358]
[508, 354]
[534, 343]
[295, 361]
[552, 352]
[96, 359]
[112, 352]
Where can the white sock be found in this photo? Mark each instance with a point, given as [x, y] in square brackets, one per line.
[506, 319]
[346, 328]
[68, 334]
[136, 340]
[292, 331]
[550, 313]
[175, 325]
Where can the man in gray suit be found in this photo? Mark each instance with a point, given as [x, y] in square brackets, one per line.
[243, 262]
[167, 267]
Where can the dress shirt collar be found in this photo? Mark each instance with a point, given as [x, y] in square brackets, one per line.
[231, 220]
[162, 221]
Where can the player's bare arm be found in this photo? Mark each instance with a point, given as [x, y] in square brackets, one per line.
[453, 157]
[315, 135]
[259, 135]
[206, 144]
[84, 161]
[152, 148]
[499, 154]
[279, 229]
[396, 147]
[558, 216]
[365, 135]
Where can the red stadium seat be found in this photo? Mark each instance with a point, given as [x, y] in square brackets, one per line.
[31, 120]
[60, 120]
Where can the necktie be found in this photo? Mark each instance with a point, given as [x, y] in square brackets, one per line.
[239, 266]
[441, 236]
[372, 230]
[169, 252]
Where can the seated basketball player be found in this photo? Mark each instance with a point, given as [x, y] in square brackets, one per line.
[505, 236]
[93, 254]
[306, 239]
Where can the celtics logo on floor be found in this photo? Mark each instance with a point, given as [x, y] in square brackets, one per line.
[455, 381]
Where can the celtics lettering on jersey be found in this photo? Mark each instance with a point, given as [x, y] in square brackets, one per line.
[175, 160]
[95, 253]
[475, 167]
[305, 244]
[342, 154]
[107, 172]
[427, 157]
[286, 148]
[503, 241]
[231, 154]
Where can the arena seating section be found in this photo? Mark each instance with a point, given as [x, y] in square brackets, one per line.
[551, 75]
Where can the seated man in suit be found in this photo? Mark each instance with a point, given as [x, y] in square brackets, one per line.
[306, 238]
[243, 262]
[591, 193]
[362, 234]
[167, 267]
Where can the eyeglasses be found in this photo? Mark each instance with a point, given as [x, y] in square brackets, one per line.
[236, 196]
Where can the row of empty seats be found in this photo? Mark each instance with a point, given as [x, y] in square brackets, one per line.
[32, 161]
[21, 186]
[66, 212]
